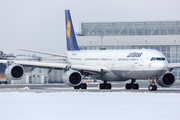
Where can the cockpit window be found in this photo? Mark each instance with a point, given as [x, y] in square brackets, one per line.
[152, 59]
[163, 59]
[157, 59]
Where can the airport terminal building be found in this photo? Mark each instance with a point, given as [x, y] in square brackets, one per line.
[163, 36]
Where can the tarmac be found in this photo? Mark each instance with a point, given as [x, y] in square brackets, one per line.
[91, 87]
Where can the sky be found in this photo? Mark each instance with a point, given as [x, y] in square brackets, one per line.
[40, 24]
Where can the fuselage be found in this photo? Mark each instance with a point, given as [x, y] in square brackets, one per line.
[122, 64]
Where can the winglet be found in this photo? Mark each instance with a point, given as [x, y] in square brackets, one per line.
[70, 35]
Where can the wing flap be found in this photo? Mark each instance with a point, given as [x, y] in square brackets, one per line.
[37, 64]
[90, 68]
[87, 68]
[43, 52]
[41, 64]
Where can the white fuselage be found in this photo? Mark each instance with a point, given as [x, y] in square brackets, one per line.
[122, 64]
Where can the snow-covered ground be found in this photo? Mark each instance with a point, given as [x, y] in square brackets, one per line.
[89, 106]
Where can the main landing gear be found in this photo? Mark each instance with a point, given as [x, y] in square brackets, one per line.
[152, 86]
[132, 85]
[82, 86]
[105, 85]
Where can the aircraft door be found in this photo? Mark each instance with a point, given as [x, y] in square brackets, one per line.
[141, 60]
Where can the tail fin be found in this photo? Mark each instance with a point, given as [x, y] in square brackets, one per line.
[70, 36]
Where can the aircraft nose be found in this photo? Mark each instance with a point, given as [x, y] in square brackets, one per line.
[162, 66]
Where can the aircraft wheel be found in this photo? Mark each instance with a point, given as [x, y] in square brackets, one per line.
[128, 86]
[108, 86]
[83, 86]
[101, 86]
[105, 86]
[136, 86]
[152, 87]
[77, 87]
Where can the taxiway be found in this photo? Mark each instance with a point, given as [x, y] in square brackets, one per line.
[41, 88]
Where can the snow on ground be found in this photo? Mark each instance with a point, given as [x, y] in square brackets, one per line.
[89, 106]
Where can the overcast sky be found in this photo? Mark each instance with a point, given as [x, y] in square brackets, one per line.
[40, 24]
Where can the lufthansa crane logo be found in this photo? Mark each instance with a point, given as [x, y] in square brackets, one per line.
[68, 29]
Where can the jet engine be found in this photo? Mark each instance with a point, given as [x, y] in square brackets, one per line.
[14, 72]
[72, 78]
[167, 80]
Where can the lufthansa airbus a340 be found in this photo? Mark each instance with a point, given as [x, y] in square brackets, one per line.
[105, 65]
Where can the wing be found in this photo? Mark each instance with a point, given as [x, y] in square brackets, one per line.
[86, 68]
[90, 68]
[43, 52]
[36, 64]
[173, 65]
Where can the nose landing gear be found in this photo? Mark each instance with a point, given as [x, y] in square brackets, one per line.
[152, 86]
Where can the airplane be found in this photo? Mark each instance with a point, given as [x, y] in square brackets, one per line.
[104, 65]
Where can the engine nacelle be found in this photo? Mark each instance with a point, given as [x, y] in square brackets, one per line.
[14, 72]
[167, 80]
[72, 78]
